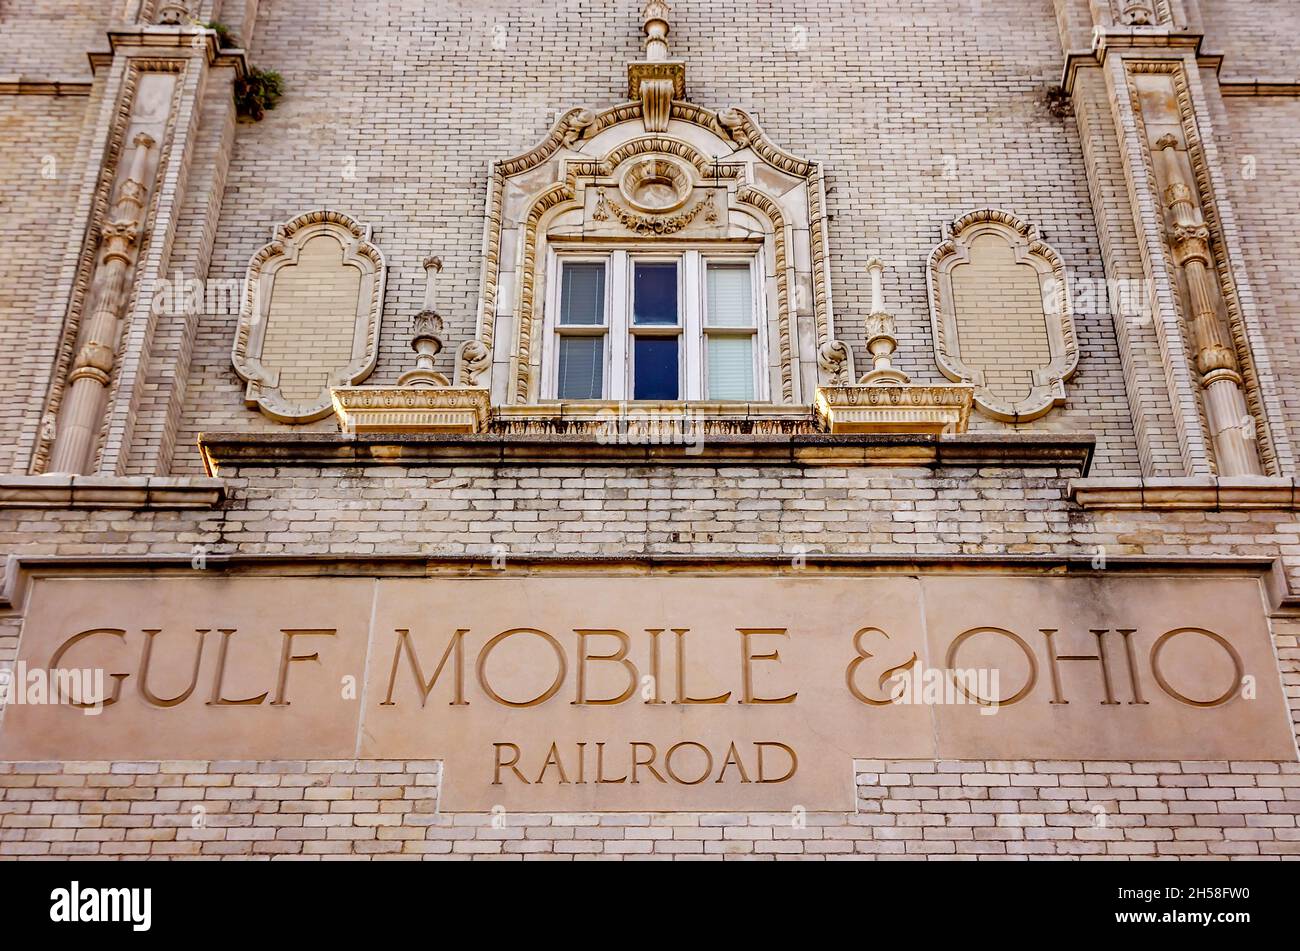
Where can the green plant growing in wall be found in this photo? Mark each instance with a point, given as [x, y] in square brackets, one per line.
[257, 92]
[225, 39]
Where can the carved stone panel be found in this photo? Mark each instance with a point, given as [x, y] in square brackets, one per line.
[1001, 315]
[311, 314]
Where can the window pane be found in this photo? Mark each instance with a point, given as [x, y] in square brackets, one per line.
[582, 368]
[655, 368]
[582, 294]
[731, 296]
[654, 293]
[731, 367]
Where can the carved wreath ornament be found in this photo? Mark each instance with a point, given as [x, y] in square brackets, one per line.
[1001, 314]
[654, 224]
[261, 309]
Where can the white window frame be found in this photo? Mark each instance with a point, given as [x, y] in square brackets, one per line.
[619, 331]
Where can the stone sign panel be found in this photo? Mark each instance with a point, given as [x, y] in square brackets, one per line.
[603, 692]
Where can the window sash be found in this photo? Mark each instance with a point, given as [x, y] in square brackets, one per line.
[731, 352]
[730, 367]
[729, 290]
[715, 336]
[581, 371]
[582, 294]
[654, 281]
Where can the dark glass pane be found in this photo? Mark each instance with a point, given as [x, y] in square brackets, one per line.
[582, 368]
[582, 294]
[655, 367]
[654, 293]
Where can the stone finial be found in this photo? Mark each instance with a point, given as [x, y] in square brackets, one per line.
[885, 400]
[654, 17]
[432, 268]
[876, 268]
[656, 81]
[426, 334]
[881, 342]
[424, 400]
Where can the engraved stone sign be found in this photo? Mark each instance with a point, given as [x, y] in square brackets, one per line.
[655, 692]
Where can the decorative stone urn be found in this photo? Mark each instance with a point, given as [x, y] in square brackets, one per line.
[423, 400]
[885, 400]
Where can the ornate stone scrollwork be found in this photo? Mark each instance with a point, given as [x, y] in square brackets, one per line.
[310, 320]
[652, 224]
[1001, 314]
[654, 167]
[657, 81]
[1143, 13]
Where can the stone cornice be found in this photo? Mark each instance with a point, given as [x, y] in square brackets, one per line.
[157, 38]
[26, 86]
[223, 452]
[109, 492]
[1150, 43]
[1188, 494]
[1259, 86]
[18, 569]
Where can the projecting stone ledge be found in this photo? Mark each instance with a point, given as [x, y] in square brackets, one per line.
[412, 409]
[223, 452]
[109, 492]
[1190, 493]
[895, 407]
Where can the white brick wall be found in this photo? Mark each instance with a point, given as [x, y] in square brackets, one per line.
[979, 810]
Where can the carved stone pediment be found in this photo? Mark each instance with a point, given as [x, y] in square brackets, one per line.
[610, 176]
[1001, 315]
[310, 318]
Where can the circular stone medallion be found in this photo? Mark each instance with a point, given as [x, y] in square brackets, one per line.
[656, 185]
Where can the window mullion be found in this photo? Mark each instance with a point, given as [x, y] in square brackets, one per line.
[618, 309]
[761, 362]
[692, 322]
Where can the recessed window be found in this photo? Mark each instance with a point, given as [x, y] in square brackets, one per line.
[626, 325]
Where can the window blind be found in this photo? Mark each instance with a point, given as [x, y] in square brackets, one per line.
[731, 296]
[582, 294]
[582, 368]
[731, 367]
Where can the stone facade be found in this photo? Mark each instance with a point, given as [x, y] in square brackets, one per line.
[1157, 161]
